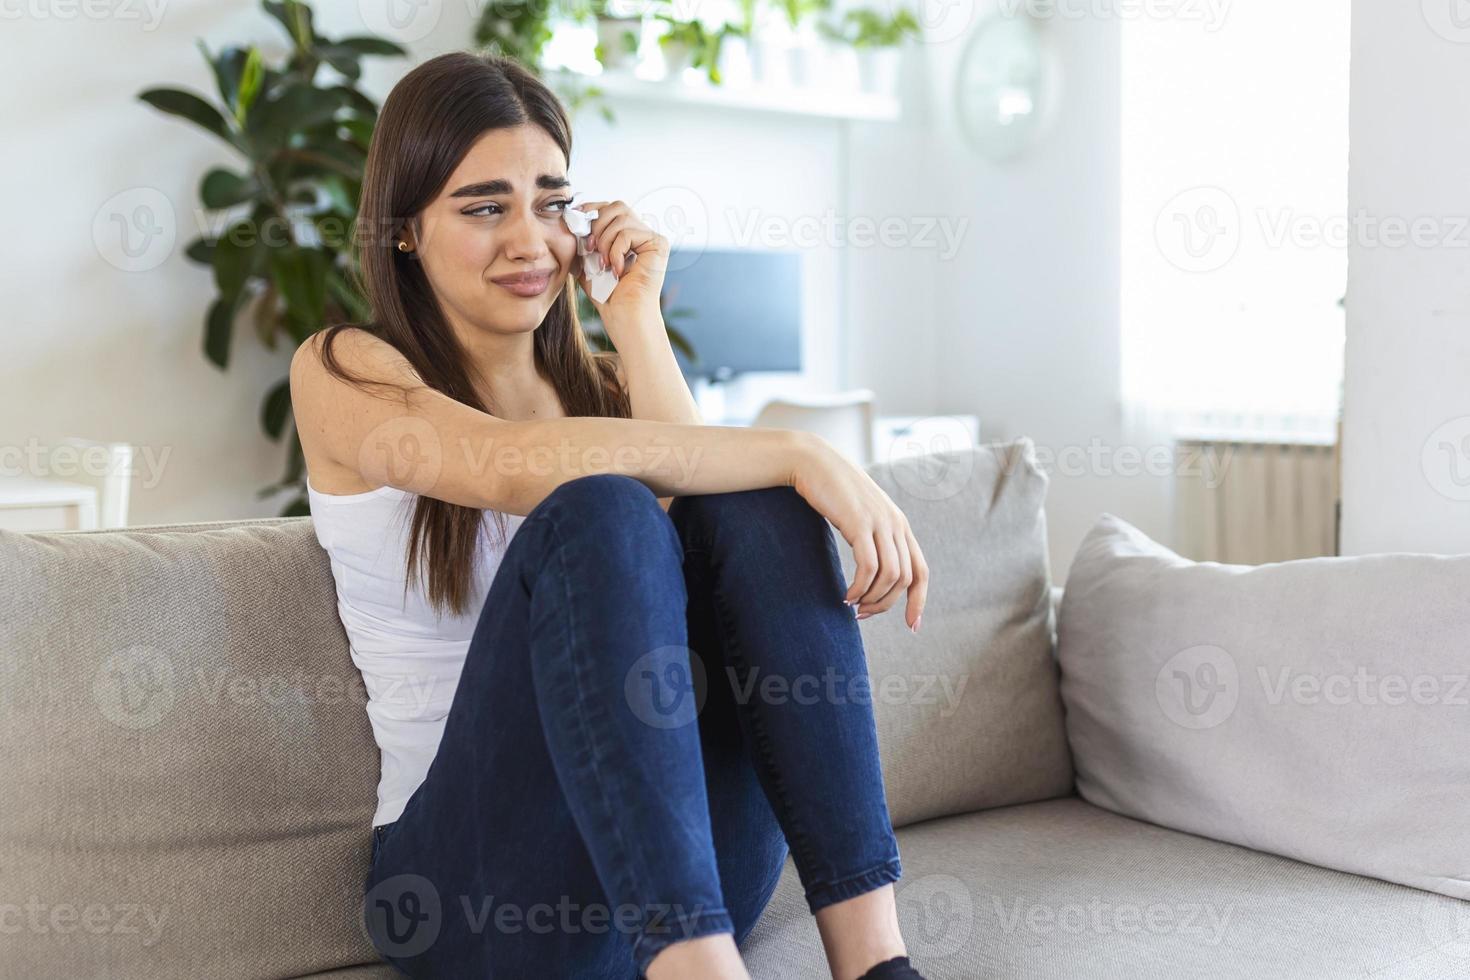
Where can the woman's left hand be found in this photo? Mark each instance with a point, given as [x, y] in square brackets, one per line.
[617, 231]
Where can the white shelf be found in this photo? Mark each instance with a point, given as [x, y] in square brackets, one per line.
[804, 102]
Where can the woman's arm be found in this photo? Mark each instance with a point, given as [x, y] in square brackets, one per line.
[656, 387]
[421, 440]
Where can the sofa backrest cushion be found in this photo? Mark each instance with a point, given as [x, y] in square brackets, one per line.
[968, 712]
[189, 774]
[1315, 709]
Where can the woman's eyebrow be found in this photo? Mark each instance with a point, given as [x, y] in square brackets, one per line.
[490, 188]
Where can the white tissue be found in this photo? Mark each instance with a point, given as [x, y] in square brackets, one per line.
[600, 278]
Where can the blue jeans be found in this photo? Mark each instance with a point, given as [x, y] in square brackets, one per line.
[654, 709]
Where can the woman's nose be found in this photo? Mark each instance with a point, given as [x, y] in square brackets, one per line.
[532, 235]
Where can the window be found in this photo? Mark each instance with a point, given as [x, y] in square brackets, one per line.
[1234, 214]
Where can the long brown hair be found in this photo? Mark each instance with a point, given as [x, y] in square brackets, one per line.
[428, 123]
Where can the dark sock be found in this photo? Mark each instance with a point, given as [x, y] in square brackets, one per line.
[897, 968]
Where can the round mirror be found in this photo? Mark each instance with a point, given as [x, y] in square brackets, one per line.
[1004, 87]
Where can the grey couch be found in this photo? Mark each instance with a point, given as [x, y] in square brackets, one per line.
[189, 776]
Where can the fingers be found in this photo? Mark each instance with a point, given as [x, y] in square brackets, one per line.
[897, 572]
[865, 561]
[919, 587]
[887, 575]
[900, 585]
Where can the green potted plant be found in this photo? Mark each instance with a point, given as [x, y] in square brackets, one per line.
[876, 38]
[619, 27]
[283, 215]
[521, 29]
[689, 44]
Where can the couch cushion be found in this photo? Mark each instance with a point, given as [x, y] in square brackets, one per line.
[967, 709]
[1317, 709]
[1062, 890]
[189, 768]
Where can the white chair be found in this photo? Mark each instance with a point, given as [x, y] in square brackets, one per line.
[106, 467]
[844, 419]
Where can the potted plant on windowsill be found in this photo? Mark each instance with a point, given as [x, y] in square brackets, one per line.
[876, 38]
[689, 44]
[619, 29]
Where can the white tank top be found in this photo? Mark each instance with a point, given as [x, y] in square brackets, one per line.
[410, 657]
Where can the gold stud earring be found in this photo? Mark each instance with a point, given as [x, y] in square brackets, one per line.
[403, 246]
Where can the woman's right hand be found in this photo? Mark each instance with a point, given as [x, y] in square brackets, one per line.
[888, 558]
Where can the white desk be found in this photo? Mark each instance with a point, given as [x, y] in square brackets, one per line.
[31, 504]
[899, 436]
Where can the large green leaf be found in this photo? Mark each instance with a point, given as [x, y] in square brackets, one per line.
[295, 17]
[219, 324]
[298, 106]
[201, 250]
[301, 276]
[223, 188]
[277, 405]
[234, 258]
[228, 66]
[371, 45]
[252, 80]
[187, 105]
[344, 61]
[355, 100]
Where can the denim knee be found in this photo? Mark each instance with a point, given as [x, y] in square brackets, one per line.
[602, 503]
[767, 504]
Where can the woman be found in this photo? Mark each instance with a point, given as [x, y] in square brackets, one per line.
[585, 772]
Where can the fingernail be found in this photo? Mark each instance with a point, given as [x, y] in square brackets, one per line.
[917, 623]
[864, 615]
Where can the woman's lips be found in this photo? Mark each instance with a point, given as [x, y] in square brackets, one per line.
[525, 287]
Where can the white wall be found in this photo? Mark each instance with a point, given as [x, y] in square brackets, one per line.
[1406, 441]
[1028, 312]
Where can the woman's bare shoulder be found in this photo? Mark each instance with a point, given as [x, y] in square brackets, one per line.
[323, 403]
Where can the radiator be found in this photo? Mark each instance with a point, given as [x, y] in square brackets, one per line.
[1249, 502]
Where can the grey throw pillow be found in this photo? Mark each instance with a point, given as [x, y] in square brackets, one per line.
[1317, 709]
[967, 709]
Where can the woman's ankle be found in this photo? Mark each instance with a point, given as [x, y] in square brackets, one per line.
[714, 956]
[860, 932]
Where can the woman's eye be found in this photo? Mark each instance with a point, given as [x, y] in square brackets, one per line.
[559, 205]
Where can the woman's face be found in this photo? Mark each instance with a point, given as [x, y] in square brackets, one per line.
[499, 217]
